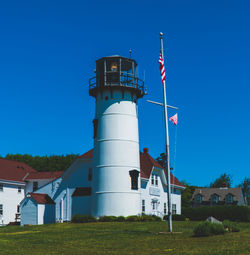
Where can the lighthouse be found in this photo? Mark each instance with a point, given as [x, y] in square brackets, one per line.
[116, 163]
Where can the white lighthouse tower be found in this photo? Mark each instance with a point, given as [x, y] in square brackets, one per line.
[116, 165]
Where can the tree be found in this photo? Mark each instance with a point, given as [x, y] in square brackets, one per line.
[245, 186]
[186, 194]
[162, 160]
[225, 180]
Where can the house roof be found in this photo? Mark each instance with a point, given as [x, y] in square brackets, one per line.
[82, 191]
[221, 192]
[42, 198]
[146, 165]
[43, 175]
[13, 170]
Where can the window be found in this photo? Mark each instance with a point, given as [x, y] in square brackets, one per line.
[1, 187]
[90, 174]
[19, 190]
[134, 174]
[1, 209]
[95, 123]
[229, 198]
[165, 208]
[152, 179]
[18, 209]
[173, 208]
[143, 205]
[215, 198]
[198, 198]
[156, 180]
[35, 186]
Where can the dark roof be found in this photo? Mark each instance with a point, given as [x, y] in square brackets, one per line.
[221, 192]
[43, 175]
[82, 191]
[13, 170]
[42, 198]
[146, 164]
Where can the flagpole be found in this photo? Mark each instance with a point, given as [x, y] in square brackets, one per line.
[167, 146]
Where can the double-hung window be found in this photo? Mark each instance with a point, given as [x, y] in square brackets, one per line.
[173, 208]
[1, 209]
[165, 208]
[143, 205]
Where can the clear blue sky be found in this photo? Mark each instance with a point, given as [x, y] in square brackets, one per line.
[48, 51]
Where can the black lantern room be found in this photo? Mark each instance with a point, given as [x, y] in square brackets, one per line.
[113, 72]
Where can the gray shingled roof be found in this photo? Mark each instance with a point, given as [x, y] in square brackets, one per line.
[221, 192]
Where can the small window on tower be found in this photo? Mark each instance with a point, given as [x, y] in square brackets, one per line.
[95, 123]
[134, 174]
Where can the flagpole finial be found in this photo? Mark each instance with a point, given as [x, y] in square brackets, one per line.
[161, 34]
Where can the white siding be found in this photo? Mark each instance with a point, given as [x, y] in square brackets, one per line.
[10, 198]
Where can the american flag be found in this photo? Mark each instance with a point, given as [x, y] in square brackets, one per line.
[162, 68]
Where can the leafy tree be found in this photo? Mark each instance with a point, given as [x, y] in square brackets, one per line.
[186, 194]
[45, 163]
[245, 186]
[162, 160]
[225, 180]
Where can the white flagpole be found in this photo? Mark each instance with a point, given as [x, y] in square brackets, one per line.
[167, 146]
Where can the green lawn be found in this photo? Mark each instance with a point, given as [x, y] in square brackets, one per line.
[120, 238]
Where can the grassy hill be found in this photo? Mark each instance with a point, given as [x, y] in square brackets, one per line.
[121, 238]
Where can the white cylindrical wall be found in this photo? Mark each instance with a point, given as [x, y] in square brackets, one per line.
[116, 152]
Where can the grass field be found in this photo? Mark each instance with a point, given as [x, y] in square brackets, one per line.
[121, 238]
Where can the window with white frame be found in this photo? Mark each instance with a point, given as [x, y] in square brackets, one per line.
[1, 209]
[198, 198]
[143, 205]
[173, 208]
[1, 187]
[215, 198]
[165, 208]
[156, 180]
[19, 189]
[229, 198]
[152, 179]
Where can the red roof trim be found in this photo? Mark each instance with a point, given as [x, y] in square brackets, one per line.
[88, 154]
[44, 175]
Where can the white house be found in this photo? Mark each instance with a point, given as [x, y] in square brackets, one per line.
[72, 193]
[16, 180]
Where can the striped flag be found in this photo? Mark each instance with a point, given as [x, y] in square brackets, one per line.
[174, 119]
[162, 68]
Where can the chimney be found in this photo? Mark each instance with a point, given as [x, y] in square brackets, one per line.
[145, 150]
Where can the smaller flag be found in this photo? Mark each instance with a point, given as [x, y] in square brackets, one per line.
[162, 69]
[174, 119]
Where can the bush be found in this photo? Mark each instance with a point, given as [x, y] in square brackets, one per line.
[77, 218]
[121, 218]
[233, 213]
[207, 228]
[176, 217]
[156, 218]
[107, 219]
[230, 226]
[133, 218]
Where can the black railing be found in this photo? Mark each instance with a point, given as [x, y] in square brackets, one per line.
[122, 79]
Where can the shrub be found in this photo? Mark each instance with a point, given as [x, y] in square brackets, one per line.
[230, 226]
[133, 218]
[146, 217]
[176, 217]
[207, 228]
[77, 218]
[121, 218]
[107, 219]
[156, 218]
[233, 213]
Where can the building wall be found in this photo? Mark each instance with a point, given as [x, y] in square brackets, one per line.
[29, 212]
[41, 183]
[151, 193]
[81, 205]
[10, 198]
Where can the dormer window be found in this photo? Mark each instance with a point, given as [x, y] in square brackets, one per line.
[198, 198]
[134, 174]
[214, 198]
[229, 199]
[152, 180]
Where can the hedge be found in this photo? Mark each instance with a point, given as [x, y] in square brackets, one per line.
[233, 213]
